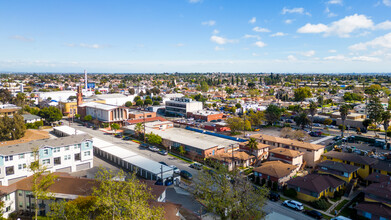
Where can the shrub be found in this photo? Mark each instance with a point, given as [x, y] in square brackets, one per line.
[290, 193]
[269, 183]
[263, 182]
[320, 204]
[275, 186]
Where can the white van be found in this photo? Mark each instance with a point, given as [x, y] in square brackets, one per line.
[340, 218]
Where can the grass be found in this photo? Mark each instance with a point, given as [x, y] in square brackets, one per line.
[180, 158]
[340, 205]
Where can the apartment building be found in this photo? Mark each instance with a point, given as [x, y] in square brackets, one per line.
[65, 154]
[181, 106]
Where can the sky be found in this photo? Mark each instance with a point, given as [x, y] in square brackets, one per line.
[133, 36]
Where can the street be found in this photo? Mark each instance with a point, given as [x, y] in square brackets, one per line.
[277, 207]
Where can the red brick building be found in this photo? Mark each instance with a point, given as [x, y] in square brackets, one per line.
[205, 115]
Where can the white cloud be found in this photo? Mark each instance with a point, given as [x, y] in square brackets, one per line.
[329, 13]
[278, 34]
[220, 40]
[309, 53]
[209, 23]
[252, 20]
[332, 51]
[259, 29]
[357, 47]
[22, 38]
[292, 58]
[255, 54]
[312, 28]
[288, 21]
[179, 45]
[387, 3]
[217, 48]
[335, 2]
[342, 28]
[195, 1]
[294, 10]
[366, 59]
[260, 44]
[384, 25]
[91, 46]
[379, 42]
[215, 31]
[247, 36]
[337, 57]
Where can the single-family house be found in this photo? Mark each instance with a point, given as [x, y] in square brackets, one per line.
[275, 171]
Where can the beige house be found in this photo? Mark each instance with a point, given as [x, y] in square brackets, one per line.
[287, 155]
[276, 171]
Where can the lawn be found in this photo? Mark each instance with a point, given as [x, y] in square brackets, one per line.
[180, 158]
[340, 205]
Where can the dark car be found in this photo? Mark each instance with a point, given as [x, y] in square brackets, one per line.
[95, 128]
[185, 174]
[274, 196]
[126, 138]
[337, 138]
[118, 135]
[161, 162]
[163, 152]
[314, 214]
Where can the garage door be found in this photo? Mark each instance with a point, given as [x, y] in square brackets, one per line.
[66, 170]
[83, 166]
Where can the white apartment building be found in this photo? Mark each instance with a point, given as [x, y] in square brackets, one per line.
[65, 154]
[181, 106]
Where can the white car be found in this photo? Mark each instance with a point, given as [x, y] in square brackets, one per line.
[293, 205]
[176, 170]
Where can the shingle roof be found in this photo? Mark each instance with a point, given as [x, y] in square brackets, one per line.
[286, 152]
[333, 165]
[375, 208]
[295, 143]
[316, 182]
[238, 155]
[382, 165]
[351, 157]
[378, 178]
[259, 145]
[275, 169]
[381, 190]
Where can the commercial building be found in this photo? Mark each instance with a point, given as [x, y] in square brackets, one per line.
[104, 113]
[66, 154]
[137, 114]
[181, 106]
[205, 115]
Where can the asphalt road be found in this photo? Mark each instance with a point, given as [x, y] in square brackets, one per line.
[277, 207]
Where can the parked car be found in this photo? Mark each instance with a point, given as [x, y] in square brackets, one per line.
[176, 170]
[168, 182]
[293, 205]
[313, 213]
[126, 138]
[152, 148]
[274, 196]
[185, 174]
[144, 145]
[118, 135]
[95, 128]
[196, 166]
[161, 162]
[337, 138]
[317, 125]
[340, 218]
[163, 152]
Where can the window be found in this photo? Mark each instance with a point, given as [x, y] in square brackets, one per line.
[8, 209]
[21, 156]
[67, 148]
[20, 204]
[20, 193]
[77, 156]
[345, 174]
[57, 160]
[298, 189]
[32, 154]
[9, 170]
[57, 149]
[46, 152]
[67, 157]
[367, 215]
[324, 168]
[19, 166]
[7, 198]
[78, 146]
[87, 153]
[46, 161]
[9, 158]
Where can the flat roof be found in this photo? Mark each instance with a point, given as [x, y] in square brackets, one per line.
[98, 105]
[190, 138]
[68, 130]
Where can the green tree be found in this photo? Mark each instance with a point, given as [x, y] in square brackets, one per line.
[302, 93]
[229, 195]
[235, 124]
[139, 102]
[12, 128]
[238, 105]
[136, 98]
[321, 101]
[139, 128]
[154, 138]
[115, 127]
[148, 102]
[79, 209]
[252, 144]
[375, 110]
[87, 118]
[41, 181]
[77, 116]
[328, 121]
[155, 103]
[247, 125]
[50, 114]
[181, 150]
[256, 118]
[128, 104]
[302, 120]
[344, 111]
[313, 110]
[272, 114]
[386, 116]
[124, 199]
[5, 96]
[366, 123]
[204, 86]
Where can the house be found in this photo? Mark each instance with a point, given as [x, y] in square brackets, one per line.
[314, 186]
[377, 178]
[312, 152]
[9, 109]
[261, 152]
[275, 171]
[234, 159]
[377, 201]
[29, 118]
[363, 162]
[65, 154]
[373, 210]
[286, 155]
[340, 170]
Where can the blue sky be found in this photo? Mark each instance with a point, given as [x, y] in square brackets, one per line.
[326, 36]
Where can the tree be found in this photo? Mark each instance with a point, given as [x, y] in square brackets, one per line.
[115, 127]
[343, 110]
[77, 116]
[136, 98]
[386, 116]
[128, 104]
[12, 128]
[154, 139]
[321, 101]
[235, 124]
[302, 120]
[5, 96]
[257, 118]
[79, 209]
[139, 102]
[229, 195]
[313, 110]
[181, 150]
[366, 123]
[247, 125]
[272, 114]
[50, 114]
[252, 144]
[131, 91]
[238, 105]
[139, 128]
[204, 86]
[328, 121]
[302, 93]
[375, 110]
[155, 103]
[123, 199]
[41, 181]
[87, 118]
[148, 102]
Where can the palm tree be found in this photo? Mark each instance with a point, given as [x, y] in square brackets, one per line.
[252, 145]
[344, 110]
[386, 116]
[313, 111]
[139, 128]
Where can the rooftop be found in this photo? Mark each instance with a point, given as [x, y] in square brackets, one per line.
[286, 152]
[351, 157]
[378, 209]
[316, 182]
[290, 142]
[275, 168]
[333, 165]
[98, 105]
